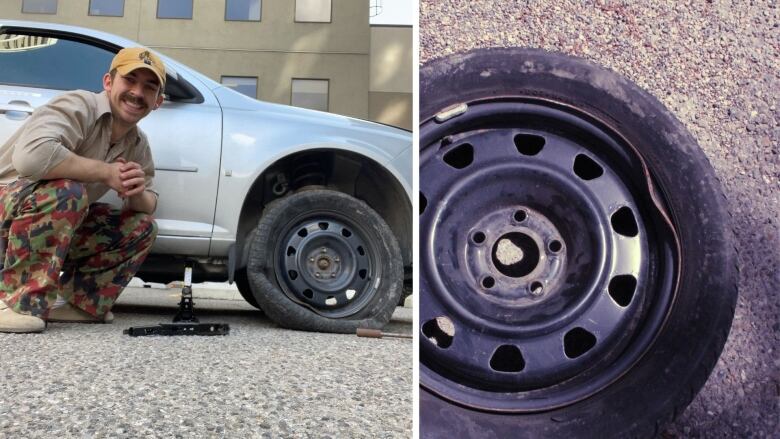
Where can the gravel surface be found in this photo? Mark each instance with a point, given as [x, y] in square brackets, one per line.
[90, 381]
[716, 65]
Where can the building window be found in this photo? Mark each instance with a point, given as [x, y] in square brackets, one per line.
[246, 85]
[312, 11]
[39, 6]
[243, 10]
[107, 8]
[310, 93]
[174, 9]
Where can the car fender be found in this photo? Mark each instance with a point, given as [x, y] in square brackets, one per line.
[257, 134]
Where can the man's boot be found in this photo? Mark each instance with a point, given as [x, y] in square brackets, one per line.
[11, 321]
[70, 314]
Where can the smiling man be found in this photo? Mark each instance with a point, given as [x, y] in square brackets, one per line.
[54, 240]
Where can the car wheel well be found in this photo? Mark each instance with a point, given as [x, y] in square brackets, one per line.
[343, 171]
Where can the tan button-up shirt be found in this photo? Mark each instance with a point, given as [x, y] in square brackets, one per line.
[77, 122]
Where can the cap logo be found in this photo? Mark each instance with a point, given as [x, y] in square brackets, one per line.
[146, 57]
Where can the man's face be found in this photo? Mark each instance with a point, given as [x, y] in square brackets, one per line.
[132, 96]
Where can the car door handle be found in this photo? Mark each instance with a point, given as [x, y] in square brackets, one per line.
[16, 110]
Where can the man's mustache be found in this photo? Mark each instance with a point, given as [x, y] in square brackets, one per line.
[133, 99]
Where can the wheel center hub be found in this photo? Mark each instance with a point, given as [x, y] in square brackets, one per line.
[508, 259]
[515, 254]
[324, 264]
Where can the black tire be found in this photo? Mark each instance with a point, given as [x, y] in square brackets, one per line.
[242, 283]
[675, 334]
[364, 255]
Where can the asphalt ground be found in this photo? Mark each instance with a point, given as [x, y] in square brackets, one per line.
[260, 381]
[716, 65]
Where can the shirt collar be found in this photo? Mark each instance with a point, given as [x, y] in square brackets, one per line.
[103, 106]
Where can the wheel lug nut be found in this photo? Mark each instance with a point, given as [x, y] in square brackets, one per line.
[337, 259]
[324, 250]
[316, 274]
[311, 259]
[333, 275]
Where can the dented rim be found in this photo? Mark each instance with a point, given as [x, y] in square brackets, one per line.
[325, 263]
[537, 232]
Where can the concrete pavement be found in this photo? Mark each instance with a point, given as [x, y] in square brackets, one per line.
[91, 381]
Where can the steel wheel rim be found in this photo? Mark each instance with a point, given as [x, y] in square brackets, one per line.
[325, 263]
[495, 359]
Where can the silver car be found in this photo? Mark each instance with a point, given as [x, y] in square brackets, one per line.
[308, 212]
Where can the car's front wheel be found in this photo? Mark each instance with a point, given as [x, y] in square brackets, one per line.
[321, 260]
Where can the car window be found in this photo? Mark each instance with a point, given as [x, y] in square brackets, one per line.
[55, 63]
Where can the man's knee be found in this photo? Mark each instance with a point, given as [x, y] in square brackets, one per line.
[146, 227]
[151, 225]
[70, 195]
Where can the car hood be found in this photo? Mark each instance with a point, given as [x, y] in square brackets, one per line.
[232, 100]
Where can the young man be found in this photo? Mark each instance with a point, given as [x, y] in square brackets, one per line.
[67, 155]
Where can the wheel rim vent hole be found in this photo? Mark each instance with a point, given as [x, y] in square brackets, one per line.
[423, 203]
[362, 273]
[520, 216]
[293, 274]
[536, 288]
[621, 289]
[308, 293]
[360, 250]
[478, 237]
[528, 144]
[624, 222]
[586, 168]
[577, 342]
[346, 233]
[555, 246]
[291, 251]
[303, 233]
[460, 156]
[488, 282]
[439, 331]
[323, 226]
[507, 358]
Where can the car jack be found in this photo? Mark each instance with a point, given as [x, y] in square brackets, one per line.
[185, 322]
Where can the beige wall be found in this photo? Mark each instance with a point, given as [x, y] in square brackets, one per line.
[348, 32]
[390, 86]
[348, 81]
[391, 108]
[391, 59]
[75, 12]
[346, 51]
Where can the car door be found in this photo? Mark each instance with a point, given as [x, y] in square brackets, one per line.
[185, 133]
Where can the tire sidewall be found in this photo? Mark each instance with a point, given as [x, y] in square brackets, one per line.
[677, 364]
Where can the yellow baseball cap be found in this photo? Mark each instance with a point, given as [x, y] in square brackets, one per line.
[131, 58]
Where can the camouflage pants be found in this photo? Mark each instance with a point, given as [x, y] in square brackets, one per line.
[59, 244]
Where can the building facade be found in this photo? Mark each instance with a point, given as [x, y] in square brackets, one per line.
[390, 75]
[319, 54]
